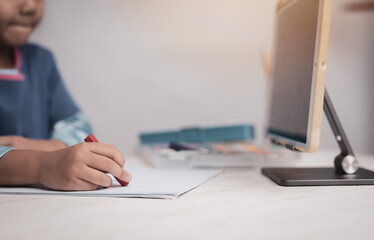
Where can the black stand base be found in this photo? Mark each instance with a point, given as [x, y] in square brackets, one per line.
[317, 177]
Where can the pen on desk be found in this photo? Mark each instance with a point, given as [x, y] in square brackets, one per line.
[92, 138]
[180, 147]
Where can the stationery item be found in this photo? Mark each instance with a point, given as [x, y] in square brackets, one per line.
[182, 155]
[146, 183]
[201, 135]
[181, 147]
[92, 138]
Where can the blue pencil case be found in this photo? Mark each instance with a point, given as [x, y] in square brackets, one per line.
[233, 133]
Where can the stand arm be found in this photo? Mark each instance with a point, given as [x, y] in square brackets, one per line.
[346, 162]
[336, 126]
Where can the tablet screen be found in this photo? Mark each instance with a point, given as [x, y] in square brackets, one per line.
[292, 79]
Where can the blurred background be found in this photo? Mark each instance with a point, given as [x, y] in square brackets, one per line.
[146, 65]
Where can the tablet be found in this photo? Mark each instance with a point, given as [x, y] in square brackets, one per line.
[298, 73]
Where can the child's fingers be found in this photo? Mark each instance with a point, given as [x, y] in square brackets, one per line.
[105, 164]
[107, 150]
[96, 177]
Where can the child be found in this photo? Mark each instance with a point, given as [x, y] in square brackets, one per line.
[39, 119]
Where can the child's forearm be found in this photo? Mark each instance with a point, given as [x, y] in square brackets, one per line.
[23, 143]
[48, 145]
[20, 167]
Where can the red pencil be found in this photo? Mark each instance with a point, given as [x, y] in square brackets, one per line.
[92, 138]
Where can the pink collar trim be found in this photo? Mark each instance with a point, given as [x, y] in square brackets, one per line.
[18, 61]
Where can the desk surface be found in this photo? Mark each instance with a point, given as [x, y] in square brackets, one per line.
[238, 204]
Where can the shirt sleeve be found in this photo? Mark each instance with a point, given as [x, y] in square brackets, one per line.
[4, 150]
[72, 130]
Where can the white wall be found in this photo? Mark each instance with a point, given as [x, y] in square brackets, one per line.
[350, 76]
[163, 64]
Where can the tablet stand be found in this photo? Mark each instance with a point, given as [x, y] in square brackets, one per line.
[346, 171]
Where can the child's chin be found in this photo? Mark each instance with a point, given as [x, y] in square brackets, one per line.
[16, 39]
[16, 35]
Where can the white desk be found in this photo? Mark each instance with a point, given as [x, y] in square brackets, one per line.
[239, 204]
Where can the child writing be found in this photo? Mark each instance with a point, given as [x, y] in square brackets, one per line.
[41, 128]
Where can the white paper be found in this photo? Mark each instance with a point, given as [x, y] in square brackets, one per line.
[146, 183]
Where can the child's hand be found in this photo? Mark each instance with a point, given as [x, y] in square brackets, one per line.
[23, 143]
[82, 167]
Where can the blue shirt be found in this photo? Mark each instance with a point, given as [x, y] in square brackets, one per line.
[31, 106]
[34, 99]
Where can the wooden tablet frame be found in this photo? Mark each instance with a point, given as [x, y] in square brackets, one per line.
[315, 119]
